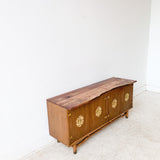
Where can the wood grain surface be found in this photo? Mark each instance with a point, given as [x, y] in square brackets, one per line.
[81, 96]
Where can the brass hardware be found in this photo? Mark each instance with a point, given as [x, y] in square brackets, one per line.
[126, 98]
[69, 114]
[98, 111]
[108, 97]
[79, 121]
[71, 137]
[114, 103]
[105, 117]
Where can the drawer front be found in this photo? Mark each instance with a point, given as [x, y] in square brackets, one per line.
[78, 123]
[113, 103]
[126, 98]
[98, 112]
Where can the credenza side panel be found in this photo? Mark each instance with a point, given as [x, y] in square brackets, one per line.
[58, 122]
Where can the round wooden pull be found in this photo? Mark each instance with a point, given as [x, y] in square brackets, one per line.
[79, 121]
[98, 111]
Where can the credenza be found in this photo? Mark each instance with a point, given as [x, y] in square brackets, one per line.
[75, 116]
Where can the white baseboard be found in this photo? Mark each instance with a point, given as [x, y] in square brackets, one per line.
[38, 149]
[153, 88]
[143, 88]
[139, 90]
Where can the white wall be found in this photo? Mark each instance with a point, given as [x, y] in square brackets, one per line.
[48, 47]
[153, 76]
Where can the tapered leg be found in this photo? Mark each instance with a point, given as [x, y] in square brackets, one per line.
[75, 149]
[126, 114]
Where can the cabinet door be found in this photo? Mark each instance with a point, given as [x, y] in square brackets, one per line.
[78, 122]
[126, 98]
[113, 102]
[98, 112]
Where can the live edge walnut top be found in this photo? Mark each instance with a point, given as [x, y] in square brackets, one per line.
[84, 95]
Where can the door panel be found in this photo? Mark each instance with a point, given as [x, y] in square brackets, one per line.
[98, 112]
[78, 122]
[113, 103]
[126, 98]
